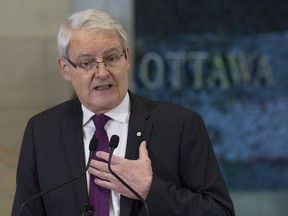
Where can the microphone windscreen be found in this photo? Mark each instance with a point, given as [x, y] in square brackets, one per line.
[114, 141]
[93, 144]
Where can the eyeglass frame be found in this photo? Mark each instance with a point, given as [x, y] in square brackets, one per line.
[76, 65]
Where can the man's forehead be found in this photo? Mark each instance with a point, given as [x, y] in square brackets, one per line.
[95, 42]
[95, 33]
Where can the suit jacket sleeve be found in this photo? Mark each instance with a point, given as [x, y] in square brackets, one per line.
[187, 179]
[26, 181]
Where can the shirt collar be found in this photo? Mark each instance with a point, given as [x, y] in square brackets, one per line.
[119, 113]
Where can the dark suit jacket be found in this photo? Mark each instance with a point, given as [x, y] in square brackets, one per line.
[186, 180]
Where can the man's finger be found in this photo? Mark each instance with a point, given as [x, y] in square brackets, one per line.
[102, 155]
[143, 153]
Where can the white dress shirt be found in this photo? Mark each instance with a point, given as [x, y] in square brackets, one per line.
[118, 124]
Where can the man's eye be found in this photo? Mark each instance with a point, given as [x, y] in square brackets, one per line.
[85, 64]
[111, 58]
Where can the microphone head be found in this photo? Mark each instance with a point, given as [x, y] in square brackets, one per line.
[87, 208]
[114, 141]
[93, 144]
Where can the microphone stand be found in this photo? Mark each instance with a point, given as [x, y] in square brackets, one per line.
[113, 145]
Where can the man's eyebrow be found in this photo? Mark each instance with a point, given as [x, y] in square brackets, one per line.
[88, 55]
[85, 56]
[111, 50]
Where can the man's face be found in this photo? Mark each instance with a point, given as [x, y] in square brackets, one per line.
[100, 88]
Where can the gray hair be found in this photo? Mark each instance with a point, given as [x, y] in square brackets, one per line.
[87, 19]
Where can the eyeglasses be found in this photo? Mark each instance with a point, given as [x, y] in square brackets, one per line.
[109, 61]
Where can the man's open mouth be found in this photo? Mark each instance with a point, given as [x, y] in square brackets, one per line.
[103, 87]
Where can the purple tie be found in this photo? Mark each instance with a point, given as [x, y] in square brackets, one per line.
[98, 196]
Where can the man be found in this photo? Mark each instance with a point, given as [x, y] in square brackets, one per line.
[164, 152]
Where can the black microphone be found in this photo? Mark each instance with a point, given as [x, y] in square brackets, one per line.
[92, 147]
[87, 209]
[114, 141]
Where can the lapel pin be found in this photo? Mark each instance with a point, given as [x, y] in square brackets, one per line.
[138, 133]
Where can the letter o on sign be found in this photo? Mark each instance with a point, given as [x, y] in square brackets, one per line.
[148, 59]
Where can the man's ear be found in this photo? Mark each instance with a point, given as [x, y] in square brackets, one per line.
[64, 69]
[128, 55]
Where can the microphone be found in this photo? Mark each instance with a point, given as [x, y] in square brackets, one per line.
[87, 209]
[114, 141]
[92, 147]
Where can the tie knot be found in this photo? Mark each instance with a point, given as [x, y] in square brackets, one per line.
[100, 120]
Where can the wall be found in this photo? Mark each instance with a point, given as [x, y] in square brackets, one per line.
[29, 77]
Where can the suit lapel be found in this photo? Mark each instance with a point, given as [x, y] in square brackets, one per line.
[74, 149]
[140, 127]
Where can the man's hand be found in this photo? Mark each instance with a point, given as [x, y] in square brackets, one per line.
[136, 173]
